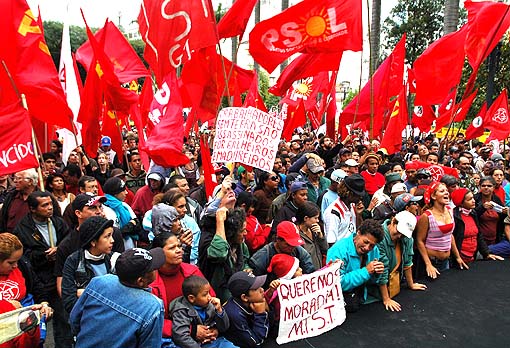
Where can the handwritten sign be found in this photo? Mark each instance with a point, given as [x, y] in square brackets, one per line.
[311, 304]
[247, 135]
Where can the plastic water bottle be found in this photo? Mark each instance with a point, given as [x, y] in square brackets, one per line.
[42, 329]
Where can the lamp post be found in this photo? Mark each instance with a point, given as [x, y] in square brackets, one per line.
[345, 87]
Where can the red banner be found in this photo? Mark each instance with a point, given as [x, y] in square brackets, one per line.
[16, 149]
[311, 26]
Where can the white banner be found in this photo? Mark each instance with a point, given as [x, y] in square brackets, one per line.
[311, 304]
[247, 135]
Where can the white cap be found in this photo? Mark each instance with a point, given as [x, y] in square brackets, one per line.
[406, 223]
[351, 163]
[399, 187]
[338, 175]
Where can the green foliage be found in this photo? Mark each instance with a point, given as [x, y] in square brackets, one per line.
[139, 46]
[349, 97]
[422, 20]
[269, 99]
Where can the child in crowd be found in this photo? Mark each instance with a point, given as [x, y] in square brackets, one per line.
[247, 310]
[282, 266]
[198, 318]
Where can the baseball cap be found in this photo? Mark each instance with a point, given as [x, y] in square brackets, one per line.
[154, 176]
[289, 232]
[298, 185]
[313, 166]
[392, 177]
[404, 199]
[351, 163]
[344, 150]
[136, 262]
[399, 187]
[338, 175]
[241, 282]
[86, 199]
[106, 141]
[114, 186]
[406, 223]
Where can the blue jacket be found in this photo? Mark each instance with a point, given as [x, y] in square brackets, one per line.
[110, 314]
[247, 329]
[351, 274]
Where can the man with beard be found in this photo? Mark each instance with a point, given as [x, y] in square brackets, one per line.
[327, 150]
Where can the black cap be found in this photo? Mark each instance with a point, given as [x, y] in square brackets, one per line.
[92, 228]
[114, 186]
[241, 282]
[136, 262]
[86, 199]
[356, 184]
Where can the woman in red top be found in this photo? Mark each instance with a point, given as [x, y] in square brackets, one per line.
[491, 222]
[15, 284]
[498, 176]
[373, 179]
[467, 234]
[168, 283]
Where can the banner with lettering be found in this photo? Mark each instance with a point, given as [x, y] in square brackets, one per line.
[311, 304]
[16, 150]
[247, 135]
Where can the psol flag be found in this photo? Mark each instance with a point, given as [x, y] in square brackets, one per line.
[498, 121]
[311, 26]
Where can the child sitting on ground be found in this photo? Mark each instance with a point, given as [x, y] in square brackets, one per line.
[247, 310]
[282, 266]
[198, 318]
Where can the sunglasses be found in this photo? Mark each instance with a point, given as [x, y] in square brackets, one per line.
[275, 178]
[486, 185]
[412, 203]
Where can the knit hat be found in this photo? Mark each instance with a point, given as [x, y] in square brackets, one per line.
[163, 216]
[241, 282]
[289, 232]
[114, 186]
[283, 266]
[92, 228]
[458, 196]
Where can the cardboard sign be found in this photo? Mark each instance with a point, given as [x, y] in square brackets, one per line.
[247, 135]
[311, 304]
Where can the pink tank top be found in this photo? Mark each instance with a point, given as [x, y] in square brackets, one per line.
[437, 239]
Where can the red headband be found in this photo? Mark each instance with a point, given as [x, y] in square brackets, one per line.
[429, 190]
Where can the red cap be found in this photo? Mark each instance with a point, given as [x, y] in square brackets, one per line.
[289, 232]
[412, 165]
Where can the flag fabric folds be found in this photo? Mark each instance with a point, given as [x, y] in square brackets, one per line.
[423, 117]
[497, 119]
[234, 22]
[296, 117]
[392, 139]
[307, 91]
[311, 26]
[26, 55]
[456, 113]
[172, 29]
[477, 126]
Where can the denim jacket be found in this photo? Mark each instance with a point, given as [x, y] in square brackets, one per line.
[110, 314]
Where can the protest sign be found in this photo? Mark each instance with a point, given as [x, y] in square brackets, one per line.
[16, 149]
[247, 135]
[311, 304]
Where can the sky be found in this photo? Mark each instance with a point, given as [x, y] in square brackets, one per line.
[125, 11]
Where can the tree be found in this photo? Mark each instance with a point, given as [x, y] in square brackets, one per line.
[375, 35]
[451, 16]
[269, 99]
[422, 20]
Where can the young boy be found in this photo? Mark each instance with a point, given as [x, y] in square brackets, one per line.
[198, 318]
[247, 310]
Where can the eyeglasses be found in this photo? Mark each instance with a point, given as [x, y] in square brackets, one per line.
[485, 185]
[275, 178]
[17, 178]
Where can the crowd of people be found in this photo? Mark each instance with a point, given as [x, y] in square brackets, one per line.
[120, 255]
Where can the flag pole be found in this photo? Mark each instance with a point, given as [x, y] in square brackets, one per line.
[371, 68]
[120, 134]
[34, 139]
[452, 119]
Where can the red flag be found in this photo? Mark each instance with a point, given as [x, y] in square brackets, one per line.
[386, 81]
[296, 117]
[457, 114]
[233, 23]
[307, 90]
[111, 122]
[313, 115]
[392, 138]
[164, 145]
[497, 118]
[437, 170]
[172, 29]
[477, 126]
[16, 148]
[253, 97]
[126, 63]
[331, 113]
[411, 81]
[26, 55]
[311, 26]
[304, 66]
[439, 68]
[209, 175]
[423, 117]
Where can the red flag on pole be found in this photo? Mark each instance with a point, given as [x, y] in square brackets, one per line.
[305, 65]
[497, 118]
[16, 148]
[233, 23]
[392, 138]
[455, 114]
[127, 65]
[26, 55]
[296, 117]
[311, 26]
[164, 145]
[253, 98]
[477, 126]
[439, 68]
[423, 117]
[172, 29]
[209, 175]
[307, 90]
